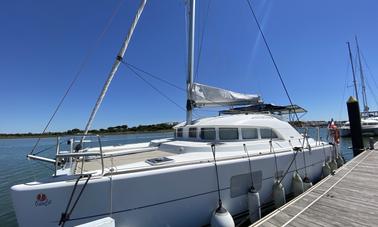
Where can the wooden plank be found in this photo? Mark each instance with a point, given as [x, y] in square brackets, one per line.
[306, 221]
[349, 198]
[336, 215]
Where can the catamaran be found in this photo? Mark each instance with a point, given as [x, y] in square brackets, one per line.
[209, 165]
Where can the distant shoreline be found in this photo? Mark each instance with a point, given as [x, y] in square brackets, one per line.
[125, 130]
[26, 136]
[116, 130]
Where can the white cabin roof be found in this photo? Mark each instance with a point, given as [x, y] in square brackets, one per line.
[284, 129]
[236, 120]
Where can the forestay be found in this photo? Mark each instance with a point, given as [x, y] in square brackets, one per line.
[207, 96]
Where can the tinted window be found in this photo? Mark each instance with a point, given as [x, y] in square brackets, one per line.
[249, 133]
[267, 133]
[193, 132]
[208, 133]
[179, 132]
[228, 134]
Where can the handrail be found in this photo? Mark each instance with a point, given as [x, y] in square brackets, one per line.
[80, 154]
[74, 153]
[56, 153]
[102, 156]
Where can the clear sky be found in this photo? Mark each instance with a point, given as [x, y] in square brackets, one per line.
[43, 44]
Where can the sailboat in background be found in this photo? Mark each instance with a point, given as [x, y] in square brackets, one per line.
[210, 167]
[369, 119]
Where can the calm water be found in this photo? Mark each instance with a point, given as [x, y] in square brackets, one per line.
[16, 169]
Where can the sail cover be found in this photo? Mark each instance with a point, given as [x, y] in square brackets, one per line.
[203, 95]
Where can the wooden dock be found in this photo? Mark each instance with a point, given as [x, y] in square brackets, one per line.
[348, 198]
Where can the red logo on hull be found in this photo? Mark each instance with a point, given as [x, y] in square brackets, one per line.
[42, 200]
[41, 197]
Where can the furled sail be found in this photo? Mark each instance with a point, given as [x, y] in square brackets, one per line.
[203, 95]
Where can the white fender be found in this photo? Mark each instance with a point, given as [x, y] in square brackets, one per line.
[254, 206]
[222, 218]
[278, 194]
[297, 184]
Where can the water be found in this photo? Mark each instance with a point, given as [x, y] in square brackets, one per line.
[15, 169]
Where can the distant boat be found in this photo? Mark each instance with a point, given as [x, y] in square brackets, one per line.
[369, 119]
[176, 181]
[369, 125]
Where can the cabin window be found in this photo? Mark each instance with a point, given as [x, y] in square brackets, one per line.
[179, 132]
[208, 133]
[193, 132]
[267, 133]
[249, 133]
[228, 134]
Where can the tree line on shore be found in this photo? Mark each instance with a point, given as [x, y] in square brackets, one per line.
[110, 130]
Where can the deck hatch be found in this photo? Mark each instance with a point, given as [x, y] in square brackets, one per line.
[159, 161]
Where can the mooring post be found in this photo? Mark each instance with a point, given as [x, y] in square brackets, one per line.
[355, 125]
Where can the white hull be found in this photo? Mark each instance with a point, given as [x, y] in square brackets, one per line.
[183, 195]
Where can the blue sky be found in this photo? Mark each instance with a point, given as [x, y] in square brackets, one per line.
[43, 44]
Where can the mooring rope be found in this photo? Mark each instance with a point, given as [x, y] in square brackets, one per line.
[275, 157]
[66, 215]
[249, 162]
[324, 152]
[295, 160]
[216, 171]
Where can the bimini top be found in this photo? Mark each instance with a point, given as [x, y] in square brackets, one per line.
[216, 128]
[266, 108]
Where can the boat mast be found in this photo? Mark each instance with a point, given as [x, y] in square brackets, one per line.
[364, 99]
[353, 72]
[115, 66]
[189, 81]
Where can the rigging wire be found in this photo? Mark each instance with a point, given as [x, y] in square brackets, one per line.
[370, 73]
[46, 166]
[48, 148]
[81, 67]
[374, 96]
[372, 77]
[198, 19]
[344, 89]
[153, 87]
[161, 80]
[201, 40]
[272, 57]
[186, 32]
[154, 76]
